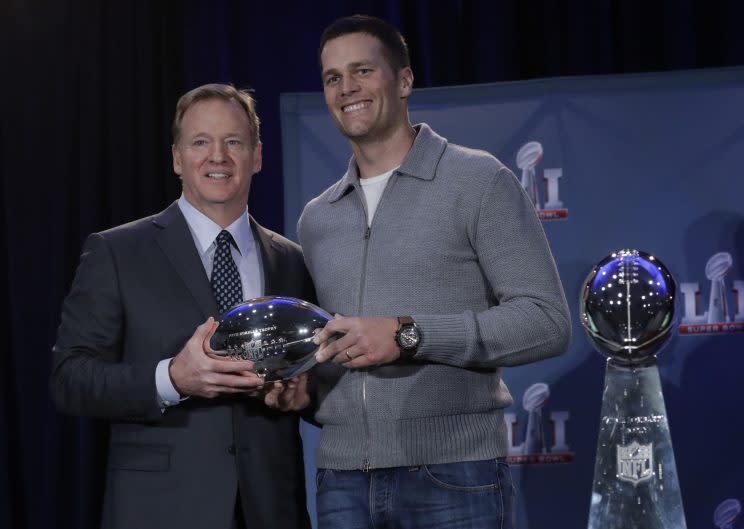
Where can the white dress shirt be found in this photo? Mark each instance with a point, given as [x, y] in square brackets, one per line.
[247, 257]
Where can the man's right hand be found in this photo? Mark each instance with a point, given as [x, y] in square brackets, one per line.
[194, 372]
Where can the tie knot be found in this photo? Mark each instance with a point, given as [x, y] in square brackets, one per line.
[224, 238]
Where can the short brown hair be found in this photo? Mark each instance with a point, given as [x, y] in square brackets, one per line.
[394, 47]
[226, 92]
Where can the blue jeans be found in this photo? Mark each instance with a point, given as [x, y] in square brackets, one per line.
[471, 494]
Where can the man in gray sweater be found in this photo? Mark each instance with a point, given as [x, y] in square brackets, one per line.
[438, 269]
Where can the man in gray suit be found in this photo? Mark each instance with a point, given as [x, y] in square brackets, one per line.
[192, 443]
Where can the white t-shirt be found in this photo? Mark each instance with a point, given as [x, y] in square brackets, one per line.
[372, 189]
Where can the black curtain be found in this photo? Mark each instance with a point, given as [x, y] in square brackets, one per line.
[88, 91]
[87, 98]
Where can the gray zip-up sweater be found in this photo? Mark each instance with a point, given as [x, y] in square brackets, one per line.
[456, 244]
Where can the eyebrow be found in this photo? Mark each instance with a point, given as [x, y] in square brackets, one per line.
[228, 135]
[349, 66]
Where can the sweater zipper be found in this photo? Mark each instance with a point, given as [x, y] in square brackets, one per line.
[367, 232]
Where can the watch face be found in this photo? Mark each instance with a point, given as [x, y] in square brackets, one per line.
[409, 337]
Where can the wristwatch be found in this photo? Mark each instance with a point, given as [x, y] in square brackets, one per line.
[408, 336]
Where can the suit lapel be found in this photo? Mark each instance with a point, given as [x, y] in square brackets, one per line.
[176, 241]
[269, 258]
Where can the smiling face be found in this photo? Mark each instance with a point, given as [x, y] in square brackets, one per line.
[366, 97]
[216, 157]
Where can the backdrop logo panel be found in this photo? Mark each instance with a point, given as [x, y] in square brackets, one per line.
[721, 316]
[535, 447]
[528, 156]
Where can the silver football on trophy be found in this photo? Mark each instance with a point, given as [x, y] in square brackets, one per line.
[274, 332]
[627, 306]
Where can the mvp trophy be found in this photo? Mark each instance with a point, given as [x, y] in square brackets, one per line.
[627, 310]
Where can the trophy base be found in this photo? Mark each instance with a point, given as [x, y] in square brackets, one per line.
[635, 477]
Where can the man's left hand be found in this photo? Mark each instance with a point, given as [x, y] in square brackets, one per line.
[366, 341]
[287, 395]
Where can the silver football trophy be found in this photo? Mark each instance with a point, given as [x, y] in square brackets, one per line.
[627, 310]
[275, 332]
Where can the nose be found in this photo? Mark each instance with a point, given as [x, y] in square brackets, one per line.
[217, 154]
[348, 85]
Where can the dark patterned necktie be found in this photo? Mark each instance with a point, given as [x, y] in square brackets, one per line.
[225, 280]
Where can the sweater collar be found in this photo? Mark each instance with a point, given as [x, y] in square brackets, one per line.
[420, 162]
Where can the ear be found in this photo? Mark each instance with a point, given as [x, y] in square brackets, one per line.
[257, 157]
[177, 167]
[405, 82]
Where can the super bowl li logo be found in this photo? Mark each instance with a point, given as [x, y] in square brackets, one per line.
[727, 513]
[722, 316]
[528, 156]
[535, 447]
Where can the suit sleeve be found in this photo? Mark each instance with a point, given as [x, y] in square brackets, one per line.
[308, 287]
[89, 375]
[306, 291]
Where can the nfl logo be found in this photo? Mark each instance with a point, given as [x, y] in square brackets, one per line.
[635, 462]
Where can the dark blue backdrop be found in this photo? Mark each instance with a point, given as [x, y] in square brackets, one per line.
[87, 98]
[646, 161]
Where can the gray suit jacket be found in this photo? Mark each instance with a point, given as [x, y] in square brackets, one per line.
[139, 292]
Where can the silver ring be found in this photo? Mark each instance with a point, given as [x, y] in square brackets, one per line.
[348, 355]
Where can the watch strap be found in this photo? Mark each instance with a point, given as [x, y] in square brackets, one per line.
[404, 320]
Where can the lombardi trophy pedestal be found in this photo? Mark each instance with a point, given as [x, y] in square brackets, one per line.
[627, 310]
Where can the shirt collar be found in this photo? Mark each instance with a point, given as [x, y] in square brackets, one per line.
[205, 230]
[420, 162]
